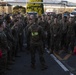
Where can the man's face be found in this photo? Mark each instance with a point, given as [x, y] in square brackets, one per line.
[55, 20]
[2, 26]
[48, 17]
[0, 16]
[70, 19]
[43, 17]
[30, 20]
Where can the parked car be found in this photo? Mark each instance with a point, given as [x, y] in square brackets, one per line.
[72, 14]
[66, 14]
[32, 13]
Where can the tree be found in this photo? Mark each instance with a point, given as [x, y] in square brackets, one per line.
[35, 7]
[20, 9]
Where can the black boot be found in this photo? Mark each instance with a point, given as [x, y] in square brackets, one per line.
[51, 52]
[43, 67]
[33, 66]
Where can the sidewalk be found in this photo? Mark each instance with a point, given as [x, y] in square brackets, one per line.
[68, 60]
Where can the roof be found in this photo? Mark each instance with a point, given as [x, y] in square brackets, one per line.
[52, 2]
[70, 4]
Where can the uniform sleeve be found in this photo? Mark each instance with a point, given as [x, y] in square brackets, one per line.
[28, 39]
[51, 29]
[28, 35]
[4, 41]
[59, 29]
[42, 34]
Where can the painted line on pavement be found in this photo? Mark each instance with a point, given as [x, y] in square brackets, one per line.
[71, 74]
[57, 56]
[62, 66]
[54, 57]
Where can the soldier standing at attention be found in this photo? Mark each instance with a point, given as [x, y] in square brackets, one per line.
[29, 23]
[10, 39]
[55, 35]
[63, 23]
[70, 35]
[36, 37]
[3, 48]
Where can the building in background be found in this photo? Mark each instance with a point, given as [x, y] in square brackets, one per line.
[52, 6]
[5, 8]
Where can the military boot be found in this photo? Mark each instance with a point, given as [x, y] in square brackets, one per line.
[43, 67]
[33, 66]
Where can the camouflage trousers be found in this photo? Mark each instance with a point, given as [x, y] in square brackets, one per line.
[3, 61]
[37, 48]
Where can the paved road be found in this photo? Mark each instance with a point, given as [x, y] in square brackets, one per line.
[69, 60]
[22, 66]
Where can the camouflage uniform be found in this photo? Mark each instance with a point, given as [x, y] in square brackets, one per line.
[70, 36]
[36, 37]
[63, 33]
[3, 49]
[46, 28]
[10, 40]
[55, 36]
[15, 34]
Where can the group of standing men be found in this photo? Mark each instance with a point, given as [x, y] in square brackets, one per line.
[11, 39]
[38, 32]
[55, 33]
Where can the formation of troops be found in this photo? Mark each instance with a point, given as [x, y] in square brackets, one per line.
[54, 32]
